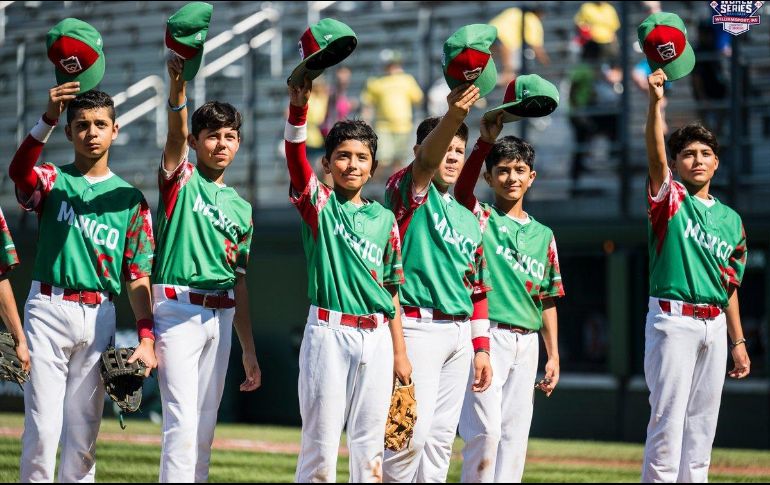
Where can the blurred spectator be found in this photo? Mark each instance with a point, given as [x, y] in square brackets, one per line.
[595, 338]
[508, 45]
[594, 100]
[437, 94]
[639, 75]
[340, 106]
[641, 71]
[392, 97]
[709, 79]
[598, 22]
[316, 113]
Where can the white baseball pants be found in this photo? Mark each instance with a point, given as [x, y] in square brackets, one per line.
[64, 398]
[684, 366]
[345, 376]
[192, 344]
[440, 354]
[495, 423]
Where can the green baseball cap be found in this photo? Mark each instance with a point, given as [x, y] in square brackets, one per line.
[186, 34]
[467, 58]
[663, 38]
[75, 48]
[527, 96]
[322, 45]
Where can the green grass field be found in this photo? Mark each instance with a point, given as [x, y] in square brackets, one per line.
[548, 460]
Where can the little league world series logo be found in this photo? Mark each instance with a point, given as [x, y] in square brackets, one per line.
[736, 17]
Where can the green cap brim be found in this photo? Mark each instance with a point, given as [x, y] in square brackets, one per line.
[88, 79]
[191, 66]
[679, 67]
[486, 81]
[315, 64]
[531, 107]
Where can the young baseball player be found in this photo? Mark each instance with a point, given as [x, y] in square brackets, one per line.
[443, 300]
[8, 310]
[199, 279]
[697, 249]
[523, 266]
[349, 352]
[94, 229]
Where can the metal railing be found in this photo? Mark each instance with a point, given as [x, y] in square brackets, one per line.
[157, 84]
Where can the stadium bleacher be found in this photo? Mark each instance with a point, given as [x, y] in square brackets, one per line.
[133, 40]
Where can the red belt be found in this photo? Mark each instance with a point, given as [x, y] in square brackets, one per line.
[367, 322]
[414, 312]
[515, 328]
[212, 301]
[86, 297]
[706, 312]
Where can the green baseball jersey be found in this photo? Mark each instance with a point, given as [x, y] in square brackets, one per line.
[696, 252]
[353, 252]
[8, 257]
[523, 265]
[90, 231]
[443, 259]
[204, 231]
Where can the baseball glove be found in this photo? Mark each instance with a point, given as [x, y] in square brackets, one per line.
[401, 417]
[10, 365]
[123, 381]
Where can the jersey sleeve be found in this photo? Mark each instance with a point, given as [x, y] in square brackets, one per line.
[663, 206]
[393, 269]
[140, 244]
[401, 198]
[733, 274]
[552, 287]
[46, 177]
[244, 247]
[171, 182]
[8, 257]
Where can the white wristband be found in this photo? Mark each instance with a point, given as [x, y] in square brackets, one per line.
[480, 328]
[295, 134]
[41, 131]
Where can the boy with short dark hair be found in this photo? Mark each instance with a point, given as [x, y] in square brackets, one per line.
[199, 279]
[348, 358]
[443, 300]
[94, 228]
[697, 249]
[523, 266]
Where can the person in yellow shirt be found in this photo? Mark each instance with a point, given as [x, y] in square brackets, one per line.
[598, 22]
[389, 101]
[508, 47]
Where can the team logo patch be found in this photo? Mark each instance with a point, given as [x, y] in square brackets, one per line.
[472, 74]
[736, 17]
[667, 51]
[71, 65]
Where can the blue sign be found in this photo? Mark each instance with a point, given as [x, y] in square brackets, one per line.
[737, 16]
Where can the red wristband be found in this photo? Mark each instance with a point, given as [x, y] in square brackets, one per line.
[297, 115]
[144, 327]
[483, 145]
[49, 121]
[480, 343]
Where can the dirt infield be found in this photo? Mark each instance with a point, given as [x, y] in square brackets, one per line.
[293, 449]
